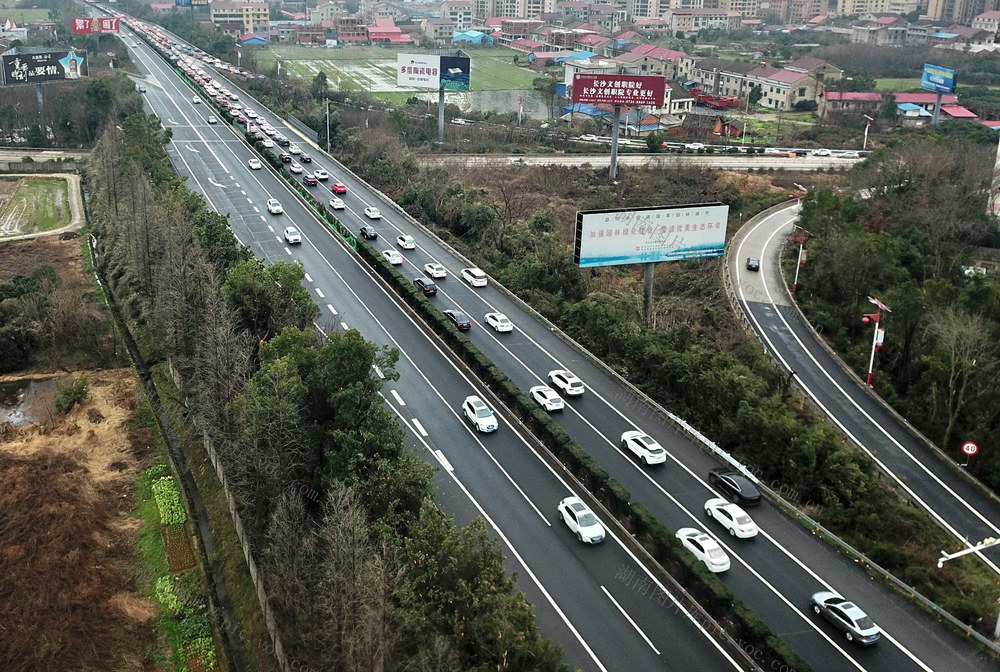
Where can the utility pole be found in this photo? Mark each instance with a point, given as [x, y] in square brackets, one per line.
[327, 100]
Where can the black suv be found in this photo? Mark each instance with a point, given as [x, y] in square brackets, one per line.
[305, 158]
[459, 319]
[369, 232]
[735, 486]
[425, 285]
[286, 157]
[309, 180]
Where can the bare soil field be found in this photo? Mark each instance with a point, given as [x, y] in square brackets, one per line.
[68, 569]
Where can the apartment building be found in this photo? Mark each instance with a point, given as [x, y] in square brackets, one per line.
[690, 21]
[439, 31]
[746, 8]
[459, 12]
[245, 17]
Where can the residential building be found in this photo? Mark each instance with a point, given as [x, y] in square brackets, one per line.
[439, 31]
[327, 11]
[594, 66]
[959, 11]
[988, 21]
[849, 102]
[925, 101]
[642, 9]
[472, 37]
[746, 8]
[715, 75]
[647, 59]
[816, 67]
[248, 16]
[799, 12]
[689, 21]
[459, 12]
[351, 30]
[882, 31]
[784, 89]
[515, 29]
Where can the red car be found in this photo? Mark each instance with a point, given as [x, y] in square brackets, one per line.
[338, 188]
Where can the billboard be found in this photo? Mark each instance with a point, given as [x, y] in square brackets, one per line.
[644, 235]
[432, 71]
[87, 25]
[631, 90]
[938, 79]
[22, 65]
[182, 3]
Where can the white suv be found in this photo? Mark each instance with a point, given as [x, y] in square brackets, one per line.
[479, 414]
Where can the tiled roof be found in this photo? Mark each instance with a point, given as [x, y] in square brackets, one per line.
[854, 95]
[926, 98]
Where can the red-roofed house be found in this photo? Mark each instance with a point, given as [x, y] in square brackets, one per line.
[926, 100]
[957, 112]
[526, 45]
[995, 125]
[592, 42]
[783, 89]
[652, 27]
[856, 102]
[652, 61]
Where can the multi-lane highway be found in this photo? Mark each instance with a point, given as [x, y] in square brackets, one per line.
[599, 601]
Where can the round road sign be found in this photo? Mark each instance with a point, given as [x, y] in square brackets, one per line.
[970, 448]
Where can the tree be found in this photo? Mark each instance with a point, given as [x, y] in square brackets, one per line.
[756, 93]
[266, 299]
[547, 87]
[319, 86]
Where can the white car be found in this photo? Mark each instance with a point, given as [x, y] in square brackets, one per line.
[694, 145]
[570, 385]
[474, 277]
[644, 447]
[337, 203]
[212, 119]
[296, 168]
[372, 213]
[196, 100]
[294, 149]
[850, 154]
[269, 143]
[581, 521]
[589, 137]
[821, 152]
[274, 206]
[393, 257]
[706, 549]
[321, 174]
[546, 398]
[255, 164]
[479, 414]
[406, 242]
[732, 517]
[292, 235]
[249, 114]
[499, 322]
[435, 270]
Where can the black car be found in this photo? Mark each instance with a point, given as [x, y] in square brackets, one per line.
[305, 158]
[753, 264]
[309, 180]
[369, 232]
[425, 285]
[735, 486]
[283, 141]
[459, 319]
[286, 158]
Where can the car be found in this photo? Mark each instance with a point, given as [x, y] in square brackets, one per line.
[474, 277]
[196, 100]
[259, 136]
[822, 152]
[736, 486]
[425, 285]
[694, 145]
[547, 398]
[459, 122]
[459, 319]
[368, 232]
[268, 143]
[479, 414]
[850, 154]
[255, 164]
[771, 151]
[393, 257]
[212, 119]
[703, 547]
[499, 322]
[336, 187]
[292, 235]
[848, 617]
[589, 137]
[282, 140]
[241, 119]
[569, 384]
[435, 270]
[285, 157]
[372, 213]
[142, 89]
[250, 113]
[644, 447]
[321, 174]
[304, 158]
[406, 242]
[335, 203]
[753, 264]
[274, 206]
[581, 521]
[309, 180]
[294, 167]
[295, 149]
[732, 517]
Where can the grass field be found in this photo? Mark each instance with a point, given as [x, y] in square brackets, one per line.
[38, 204]
[896, 85]
[9, 10]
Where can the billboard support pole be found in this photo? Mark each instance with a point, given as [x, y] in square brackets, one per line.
[41, 110]
[441, 114]
[937, 111]
[615, 120]
[647, 294]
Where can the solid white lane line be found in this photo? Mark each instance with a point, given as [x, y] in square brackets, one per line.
[629, 619]
[444, 461]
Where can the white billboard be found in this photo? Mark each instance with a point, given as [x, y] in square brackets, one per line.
[644, 235]
[433, 71]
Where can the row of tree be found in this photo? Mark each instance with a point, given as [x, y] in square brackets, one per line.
[363, 569]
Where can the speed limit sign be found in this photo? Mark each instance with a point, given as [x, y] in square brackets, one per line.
[969, 448]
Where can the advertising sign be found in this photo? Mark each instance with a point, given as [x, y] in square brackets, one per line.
[87, 25]
[644, 235]
[431, 71]
[631, 90]
[182, 3]
[938, 79]
[23, 65]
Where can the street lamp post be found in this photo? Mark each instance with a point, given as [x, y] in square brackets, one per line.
[868, 124]
[801, 240]
[879, 336]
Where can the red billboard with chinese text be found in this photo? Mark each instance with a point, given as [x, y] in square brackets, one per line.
[88, 25]
[630, 90]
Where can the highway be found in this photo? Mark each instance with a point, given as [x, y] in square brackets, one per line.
[602, 623]
[586, 597]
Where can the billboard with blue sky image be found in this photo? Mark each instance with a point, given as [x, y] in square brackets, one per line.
[645, 235]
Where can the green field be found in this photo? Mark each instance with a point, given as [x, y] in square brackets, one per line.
[9, 10]
[38, 204]
[896, 85]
